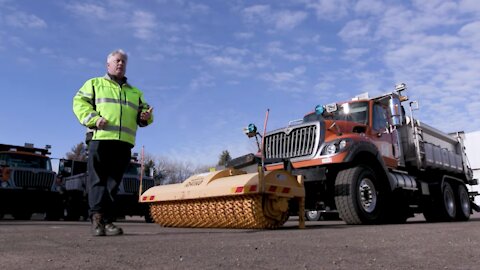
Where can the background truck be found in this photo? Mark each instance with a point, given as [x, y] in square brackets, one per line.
[76, 204]
[27, 183]
[373, 164]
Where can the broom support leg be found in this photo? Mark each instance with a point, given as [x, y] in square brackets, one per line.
[301, 206]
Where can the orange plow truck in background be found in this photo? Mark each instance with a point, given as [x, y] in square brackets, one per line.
[370, 162]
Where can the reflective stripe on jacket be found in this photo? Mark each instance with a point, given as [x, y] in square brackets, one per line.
[119, 105]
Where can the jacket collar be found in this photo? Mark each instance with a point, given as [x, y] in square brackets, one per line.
[109, 77]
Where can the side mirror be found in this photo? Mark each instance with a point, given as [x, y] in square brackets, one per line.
[396, 113]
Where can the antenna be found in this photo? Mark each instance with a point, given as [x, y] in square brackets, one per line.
[263, 138]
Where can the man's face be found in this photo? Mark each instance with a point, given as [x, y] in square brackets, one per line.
[117, 65]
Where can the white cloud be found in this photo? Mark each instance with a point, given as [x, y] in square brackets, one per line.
[143, 23]
[330, 10]
[281, 20]
[354, 31]
[324, 86]
[225, 62]
[399, 22]
[244, 35]
[469, 6]
[287, 20]
[88, 10]
[276, 49]
[196, 8]
[470, 34]
[281, 78]
[236, 51]
[203, 49]
[202, 81]
[24, 20]
[355, 53]
[374, 7]
[256, 12]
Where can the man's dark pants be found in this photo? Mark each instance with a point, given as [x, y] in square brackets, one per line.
[107, 161]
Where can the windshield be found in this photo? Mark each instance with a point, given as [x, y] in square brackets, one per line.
[133, 168]
[354, 112]
[25, 161]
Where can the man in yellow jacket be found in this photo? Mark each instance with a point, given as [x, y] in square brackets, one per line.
[111, 109]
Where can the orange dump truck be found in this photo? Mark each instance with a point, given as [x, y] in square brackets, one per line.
[370, 162]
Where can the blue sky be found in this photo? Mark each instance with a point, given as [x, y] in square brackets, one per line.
[209, 68]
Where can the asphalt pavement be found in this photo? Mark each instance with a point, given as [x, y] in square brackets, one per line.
[39, 244]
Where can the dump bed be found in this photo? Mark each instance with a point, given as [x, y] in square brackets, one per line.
[426, 147]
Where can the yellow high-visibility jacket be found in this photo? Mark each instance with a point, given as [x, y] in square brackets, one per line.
[120, 105]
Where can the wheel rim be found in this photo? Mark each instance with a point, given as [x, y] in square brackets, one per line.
[464, 201]
[312, 215]
[367, 195]
[449, 201]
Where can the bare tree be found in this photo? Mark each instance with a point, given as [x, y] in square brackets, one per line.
[79, 152]
[148, 164]
[172, 171]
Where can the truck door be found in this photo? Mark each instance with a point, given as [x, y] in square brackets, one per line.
[384, 140]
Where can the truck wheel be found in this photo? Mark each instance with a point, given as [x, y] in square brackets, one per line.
[450, 210]
[443, 206]
[148, 218]
[313, 215]
[358, 196]
[463, 203]
[72, 214]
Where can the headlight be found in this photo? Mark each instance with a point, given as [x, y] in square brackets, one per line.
[342, 144]
[4, 184]
[331, 149]
[335, 147]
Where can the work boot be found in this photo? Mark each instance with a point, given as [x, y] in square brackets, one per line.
[111, 229]
[98, 226]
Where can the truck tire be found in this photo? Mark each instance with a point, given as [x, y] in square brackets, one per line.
[72, 214]
[464, 209]
[75, 206]
[148, 218]
[147, 215]
[358, 196]
[443, 206]
[449, 208]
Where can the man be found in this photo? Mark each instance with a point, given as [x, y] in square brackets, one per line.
[112, 109]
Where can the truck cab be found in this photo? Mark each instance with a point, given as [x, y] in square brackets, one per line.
[27, 182]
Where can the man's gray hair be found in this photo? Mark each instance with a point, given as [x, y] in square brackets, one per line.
[119, 51]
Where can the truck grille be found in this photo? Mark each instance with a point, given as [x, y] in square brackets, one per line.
[130, 184]
[292, 142]
[32, 179]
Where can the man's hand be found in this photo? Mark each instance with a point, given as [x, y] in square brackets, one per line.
[101, 123]
[145, 116]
